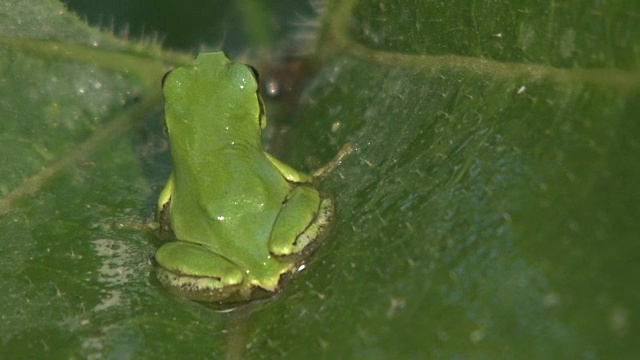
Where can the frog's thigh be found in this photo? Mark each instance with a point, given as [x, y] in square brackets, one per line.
[303, 219]
[194, 269]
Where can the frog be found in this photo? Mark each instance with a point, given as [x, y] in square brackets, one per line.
[241, 221]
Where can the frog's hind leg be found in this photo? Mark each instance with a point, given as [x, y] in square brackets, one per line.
[304, 220]
[193, 271]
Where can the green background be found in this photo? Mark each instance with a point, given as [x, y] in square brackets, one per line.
[489, 210]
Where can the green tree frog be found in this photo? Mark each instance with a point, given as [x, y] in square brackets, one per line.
[241, 218]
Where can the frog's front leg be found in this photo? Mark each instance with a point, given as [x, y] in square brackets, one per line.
[193, 270]
[295, 176]
[303, 221]
[289, 173]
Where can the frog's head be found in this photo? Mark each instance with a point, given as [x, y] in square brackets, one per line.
[216, 93]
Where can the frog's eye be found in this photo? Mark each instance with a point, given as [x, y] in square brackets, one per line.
[255, 73]
[165, 128]
[263, 115]
[164, 78]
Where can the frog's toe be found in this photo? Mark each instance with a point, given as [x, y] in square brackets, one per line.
[196, 273]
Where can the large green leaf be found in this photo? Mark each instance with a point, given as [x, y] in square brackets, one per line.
[490, 208]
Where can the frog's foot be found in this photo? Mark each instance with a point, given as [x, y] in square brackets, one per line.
[196, 273]
[304, 221]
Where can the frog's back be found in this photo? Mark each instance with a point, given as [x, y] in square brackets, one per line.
[242, 180]
[238, 196]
